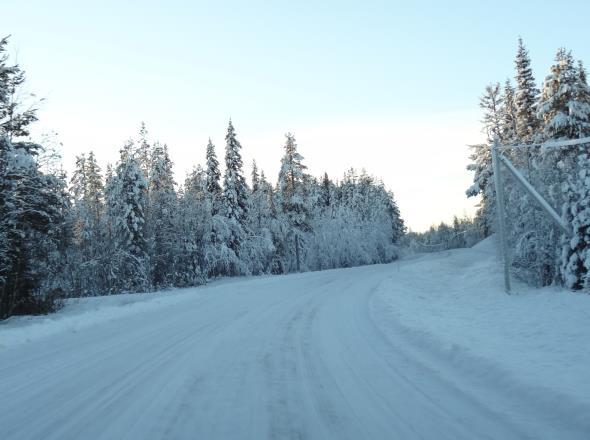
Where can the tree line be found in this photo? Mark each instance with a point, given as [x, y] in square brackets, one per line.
[460, 233]
[132, 228]
[519, 113]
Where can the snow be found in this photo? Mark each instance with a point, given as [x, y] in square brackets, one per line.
[429, 347]
[531, 343]
[86, 312]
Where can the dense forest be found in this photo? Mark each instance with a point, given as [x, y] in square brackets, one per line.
[132, 228]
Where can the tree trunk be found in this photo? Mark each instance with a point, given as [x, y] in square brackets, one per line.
[297, 252]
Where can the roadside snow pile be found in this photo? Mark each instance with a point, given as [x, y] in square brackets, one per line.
[534, 342]
[85, 312]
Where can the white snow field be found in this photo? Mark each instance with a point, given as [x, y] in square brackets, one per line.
[426, 348]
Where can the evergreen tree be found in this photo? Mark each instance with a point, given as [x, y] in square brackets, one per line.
[199, 257]
[235, 192]
[160, 219]
[398, 227]
[528, 227]
[213, 177]
[267, 211]
[525, 97]
[255, 177]
[325, 199]
[142, 151]
[565, 102]
[575, 255]
[565, 112]
[508, 116]
[563, 117]
[89, 231]
[258, 201]
[88, 195]
[33, 206]
[260, 246]
[32, 222]
[14, 121]
[126, 195]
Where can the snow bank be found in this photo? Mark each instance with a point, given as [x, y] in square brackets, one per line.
[85, 312]
[534, 342]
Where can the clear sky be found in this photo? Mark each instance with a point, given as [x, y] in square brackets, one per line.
[390, 86]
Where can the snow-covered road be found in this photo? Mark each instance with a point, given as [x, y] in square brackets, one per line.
[309, 356]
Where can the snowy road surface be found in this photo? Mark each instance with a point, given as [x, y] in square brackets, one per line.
[309, 356]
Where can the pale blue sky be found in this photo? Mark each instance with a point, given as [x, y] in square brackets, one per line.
[391, 86]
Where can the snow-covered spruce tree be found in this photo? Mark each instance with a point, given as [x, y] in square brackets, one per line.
[508, 115]
[33, 205]
[326, 193]
[213, 178]
[256, 199]
[398, 226]
[529, 229]
[94, 195]
[126, 203]
[142, 149]
[88, 252]
[255, 177]
[220, 258]
[565, 112]
[78, 186]
[563, 108]
[235, 200]
[266, 211]
[196, 257]
[564, 115]
[575, 255]
[160, 225]
[292, 195]
[260, 243]
[14, 118]
[271, 218]
[525, 97]
[32, 227]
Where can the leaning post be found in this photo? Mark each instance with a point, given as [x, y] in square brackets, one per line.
[501, 212]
